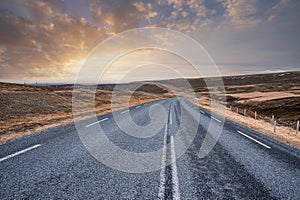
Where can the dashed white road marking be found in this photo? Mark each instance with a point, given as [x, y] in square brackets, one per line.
[251, 138]
[102, 120]
[161, 192]
[20, 152]
[175, 191]
[216, 119]
[125, 111]
[176, 194]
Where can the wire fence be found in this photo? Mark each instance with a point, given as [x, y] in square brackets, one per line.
[271, 119]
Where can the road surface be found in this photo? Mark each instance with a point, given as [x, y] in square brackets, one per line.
[244, 164]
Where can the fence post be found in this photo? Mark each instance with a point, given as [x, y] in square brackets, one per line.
[255, 115]
[245, 110]
[297, 128]
[274, 126]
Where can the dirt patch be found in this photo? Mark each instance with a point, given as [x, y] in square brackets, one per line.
[262, 96]
[153, 88]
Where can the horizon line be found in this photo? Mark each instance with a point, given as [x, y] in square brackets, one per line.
[154, 80]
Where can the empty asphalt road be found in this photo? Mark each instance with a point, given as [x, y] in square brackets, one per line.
[244, 164]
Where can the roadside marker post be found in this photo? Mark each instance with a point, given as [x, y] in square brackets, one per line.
[274, 126]
[255, 115]
[245, 112]
[297, 127]
[273, 118]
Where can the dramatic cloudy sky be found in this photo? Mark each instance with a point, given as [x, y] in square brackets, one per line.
[46, 41]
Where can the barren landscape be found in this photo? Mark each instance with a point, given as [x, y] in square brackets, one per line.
[266, 94]
[27, 109]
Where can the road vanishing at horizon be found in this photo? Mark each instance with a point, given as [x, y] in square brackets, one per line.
[244, 164]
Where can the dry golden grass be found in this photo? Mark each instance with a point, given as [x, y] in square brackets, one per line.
[263, 96]
[30, 109]
[285, 134]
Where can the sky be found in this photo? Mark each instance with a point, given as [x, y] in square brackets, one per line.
[48, 41]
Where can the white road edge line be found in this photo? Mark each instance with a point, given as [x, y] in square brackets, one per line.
[125, 111]
[254, 140]
[161, 192]
[170, 118]
[102, 120]
[202, 112]
[176, 194]
[216, 119]
[138, 107]
[20, 152]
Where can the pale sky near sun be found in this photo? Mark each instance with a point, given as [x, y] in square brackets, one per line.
[48, 41]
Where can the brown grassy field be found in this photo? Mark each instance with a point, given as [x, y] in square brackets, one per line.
[27, 109]
[268, 94]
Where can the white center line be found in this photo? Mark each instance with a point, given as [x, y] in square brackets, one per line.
[216, 119]
[125, 111]
[176, 194]
[102, 120]
[19, 152]
[161, 193]
[254, 140]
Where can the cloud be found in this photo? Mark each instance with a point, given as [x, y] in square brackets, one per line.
[241, 13]
[43, 39]
[198, 7]
[185, 16]
[3, 58]
[141, 6]
[175, 3]
[38, 48]
[126, 15]
[280, 7]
